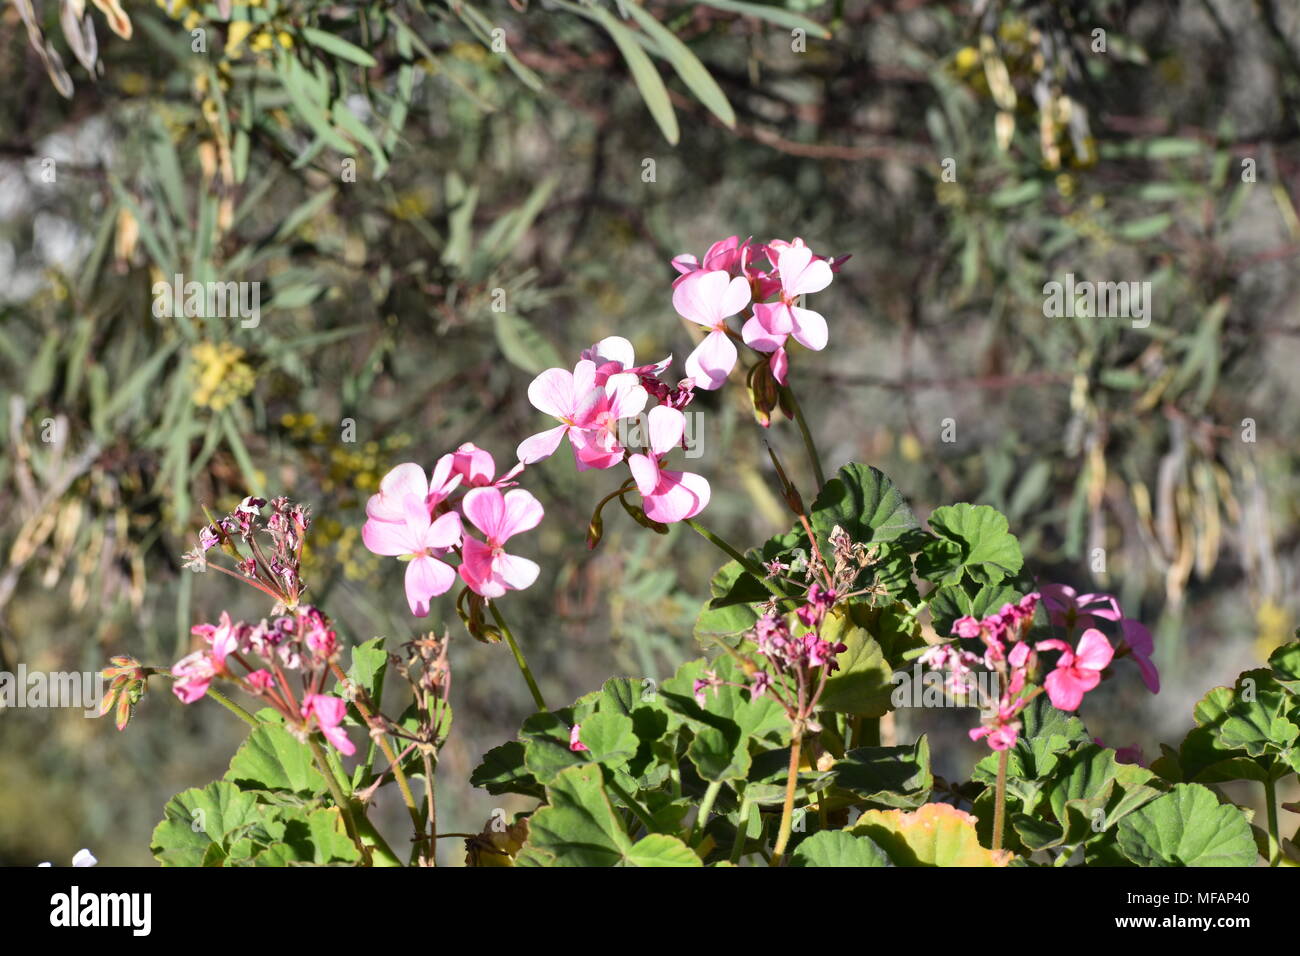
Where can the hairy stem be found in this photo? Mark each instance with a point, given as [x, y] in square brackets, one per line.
[231, 706]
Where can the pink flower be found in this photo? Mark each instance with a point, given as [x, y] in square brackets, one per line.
[260, 681]
[576, 745]
[614, 354]
[419, 540]
[1067, 608]
[1000, 737]
[329, 712]
[1141, 646]
[773, 322]
[587, 413]
[193, 674]
[728, 255]
[408, 480]
[224, 638]
[598, 445]
[1078, 670]
[476, 468]
[486, 568]
[668, 496]
[773, 249]
[708, 298]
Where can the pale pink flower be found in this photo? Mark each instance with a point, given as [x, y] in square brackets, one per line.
[598, 445]
[582, 407]
[1141, 646]
[708, 298]
[1078, 670]
[420, 540]
[773, 322]
[329, 712]
[773, 249]
[486, 567]
[614, 354]
[408, 480]
[668, 496]
[193, 674]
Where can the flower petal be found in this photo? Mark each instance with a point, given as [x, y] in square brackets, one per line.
[426, 577]
[541, 446]
[712, 361]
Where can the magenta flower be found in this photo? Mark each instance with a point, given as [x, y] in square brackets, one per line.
[668, 496]
[419, 540]
[193, 674]
[1067, 608]
[486, 567]
[773, 322]
[999, 736]
[329, 712]
[576, 745]
[708, 298]
[1141, 646]
[1078, 670]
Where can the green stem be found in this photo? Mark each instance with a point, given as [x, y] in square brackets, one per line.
[519, 656]
[231, 706]
[722, 545]
[809, 445]
[742, 831]
[1000, 800]
[787, 810]
[1270, 797]
[641, 813]
[337, 793]
[383, 854]
[412, 808]
[706, 807]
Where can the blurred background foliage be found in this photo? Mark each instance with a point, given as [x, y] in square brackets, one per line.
[391, 171]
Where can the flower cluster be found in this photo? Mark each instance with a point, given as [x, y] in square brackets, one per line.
[795, 665]
[265, 541]
[767, 281]
[421, 519]
[259, 658]
[266, 549]
[1008, 653]
[594, 404]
